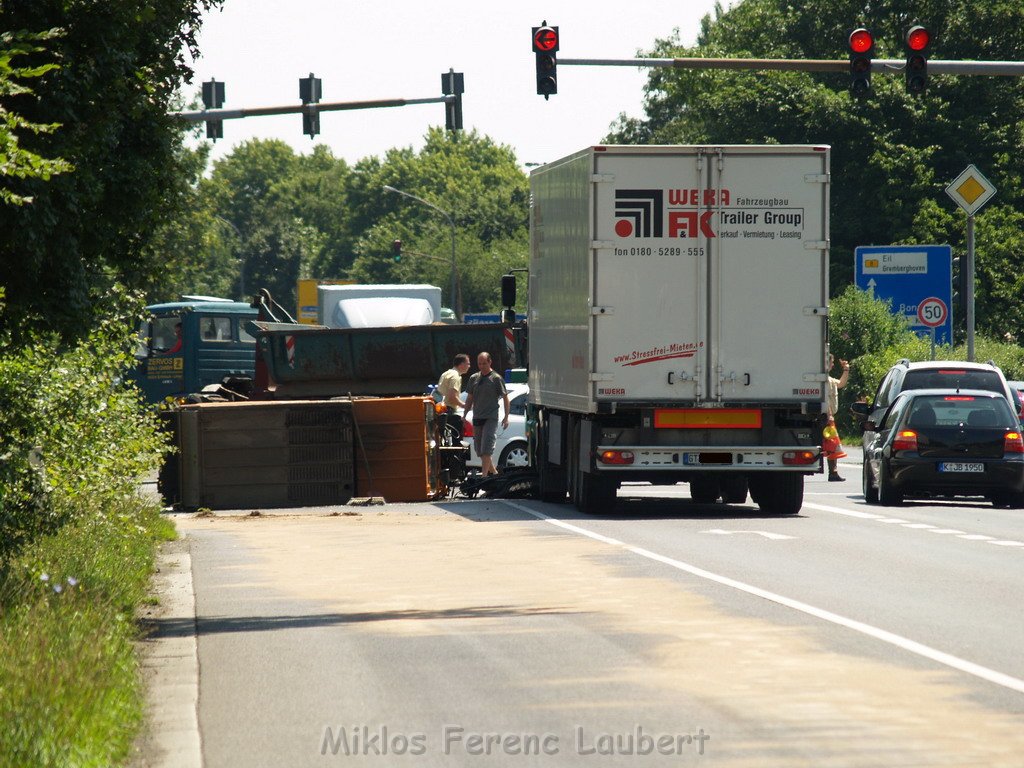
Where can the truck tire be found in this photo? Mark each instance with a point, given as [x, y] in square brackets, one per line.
[734, 489]
[779, 493]
[596, 493]
[592, 494]
[550, 480]
[705, 490]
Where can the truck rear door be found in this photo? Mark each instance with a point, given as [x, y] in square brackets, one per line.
[710, 276]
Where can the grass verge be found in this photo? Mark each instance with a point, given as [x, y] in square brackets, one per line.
[70, 690]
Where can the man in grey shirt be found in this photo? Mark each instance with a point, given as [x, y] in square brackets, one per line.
[485, 387]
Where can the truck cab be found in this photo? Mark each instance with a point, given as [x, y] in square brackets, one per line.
[214, 344]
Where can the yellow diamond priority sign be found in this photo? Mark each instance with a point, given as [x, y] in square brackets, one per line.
[970, 190]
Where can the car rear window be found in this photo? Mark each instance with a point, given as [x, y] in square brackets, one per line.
[954, 410]
[954, 378]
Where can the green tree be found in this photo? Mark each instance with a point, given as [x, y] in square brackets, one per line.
[120, 67]
[15, 161]
[314, 216]
[893, 153]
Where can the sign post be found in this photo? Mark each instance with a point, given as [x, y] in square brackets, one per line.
[970, 190]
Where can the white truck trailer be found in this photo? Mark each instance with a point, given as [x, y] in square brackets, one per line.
[378, 306]
[678, 306]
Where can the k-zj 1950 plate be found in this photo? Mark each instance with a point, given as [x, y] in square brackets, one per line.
[961, 466]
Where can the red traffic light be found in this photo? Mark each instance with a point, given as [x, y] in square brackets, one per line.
[861, 41]
[545, 40]
[918, 38]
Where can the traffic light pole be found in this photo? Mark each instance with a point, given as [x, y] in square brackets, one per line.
[935, 67]
[334, 106]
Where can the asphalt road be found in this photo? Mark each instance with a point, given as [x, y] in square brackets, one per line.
[516, 632]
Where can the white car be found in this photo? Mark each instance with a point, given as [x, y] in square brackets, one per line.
[510, 449]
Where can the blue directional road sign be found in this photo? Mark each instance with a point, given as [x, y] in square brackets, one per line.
[907, 275]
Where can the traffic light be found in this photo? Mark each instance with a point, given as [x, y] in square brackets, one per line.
[453, 84]
[545, 46]
[396, 247]
[213, 98]
[862, 48]
[310, 92]
[917, 42]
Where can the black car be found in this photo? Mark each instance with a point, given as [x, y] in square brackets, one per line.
[931, 374]
[942, 443]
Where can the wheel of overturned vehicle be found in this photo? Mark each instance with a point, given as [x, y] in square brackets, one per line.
[514, 455]
[705, 490]
[867, 486]
[888, 496]
[734, 489]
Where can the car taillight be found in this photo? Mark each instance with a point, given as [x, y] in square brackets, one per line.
[905, 440]
[467, 428]
[616, 457]
[1013, 443]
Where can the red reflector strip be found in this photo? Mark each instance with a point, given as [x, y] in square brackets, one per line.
[707, 418]
[616, 457]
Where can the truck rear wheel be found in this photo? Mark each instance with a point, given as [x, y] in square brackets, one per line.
[596, 493]
[592, 494]
[705, 490]
[734, 489]
[778, 493]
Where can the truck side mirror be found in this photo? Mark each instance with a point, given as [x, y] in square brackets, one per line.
[508, 291]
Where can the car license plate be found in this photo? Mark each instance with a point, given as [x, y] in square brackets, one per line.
[961, 466]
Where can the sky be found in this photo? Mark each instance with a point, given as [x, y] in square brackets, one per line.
[398, 50]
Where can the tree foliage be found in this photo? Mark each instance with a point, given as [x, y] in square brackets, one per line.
[121, 64]
[289, 216]
[16, 162]
[892, 153]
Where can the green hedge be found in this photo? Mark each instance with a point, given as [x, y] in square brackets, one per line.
[76, 543]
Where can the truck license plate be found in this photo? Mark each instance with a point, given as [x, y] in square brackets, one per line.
[961, 466]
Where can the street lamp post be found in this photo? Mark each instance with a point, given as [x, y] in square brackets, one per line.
[451, 223]
[241, 260]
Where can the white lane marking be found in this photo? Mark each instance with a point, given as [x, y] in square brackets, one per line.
[917, 526]
[766, 534]
[850, 512]
[911, 646]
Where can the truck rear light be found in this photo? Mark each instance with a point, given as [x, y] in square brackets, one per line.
[799, 458]
[906, 440]
[616, 457]
[1013, 443]
[467, 428]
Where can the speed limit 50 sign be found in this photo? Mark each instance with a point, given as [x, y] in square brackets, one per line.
[932, 312]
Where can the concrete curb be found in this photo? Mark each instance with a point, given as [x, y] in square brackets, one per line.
[170, 668]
